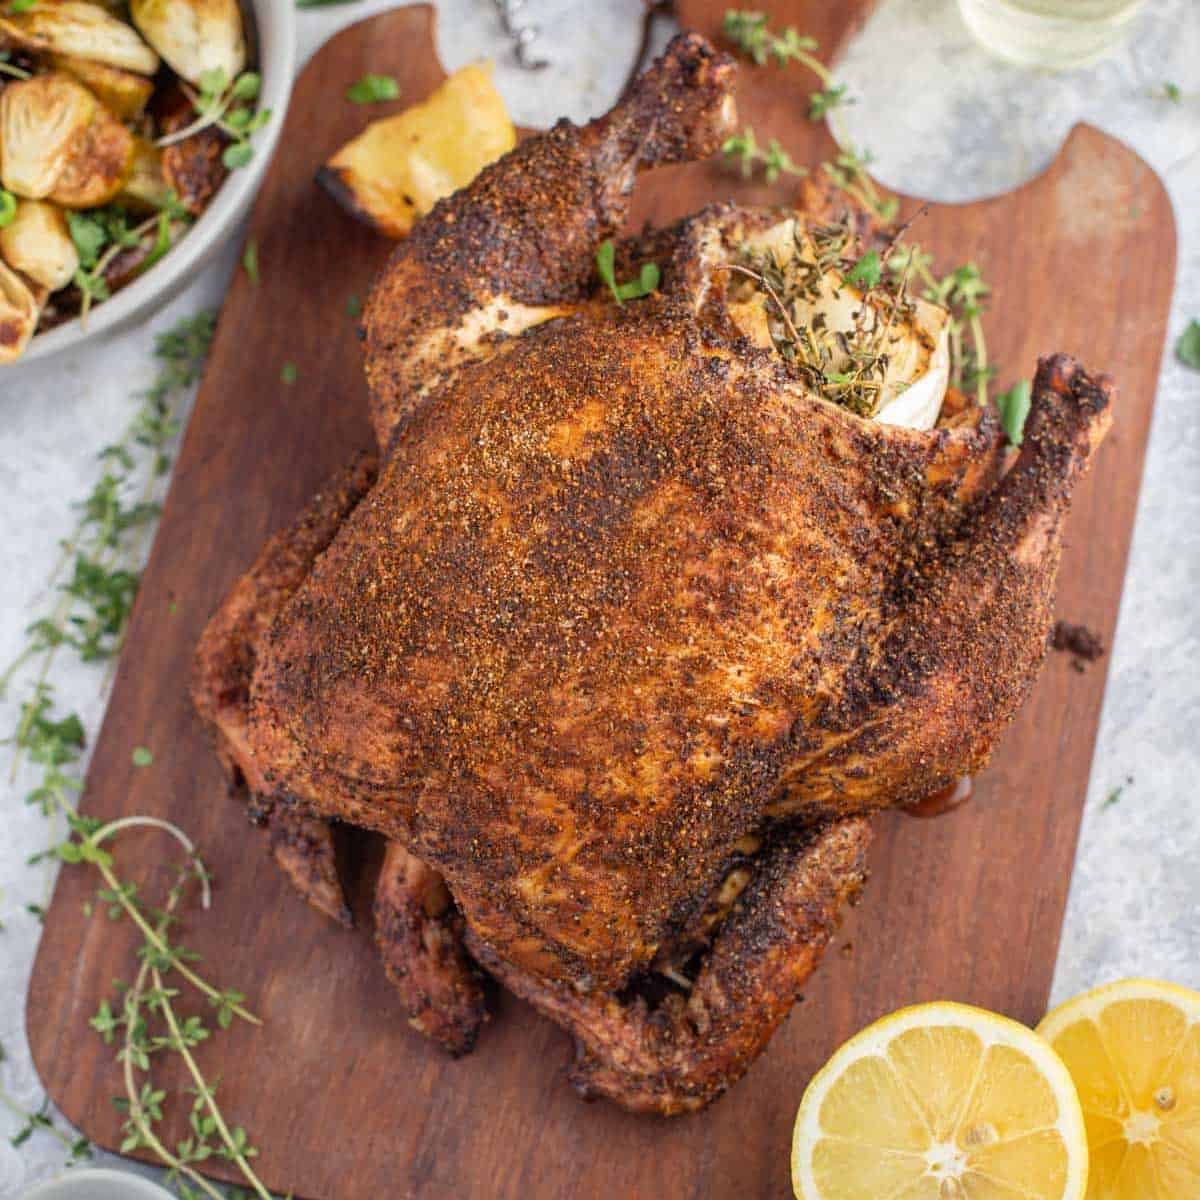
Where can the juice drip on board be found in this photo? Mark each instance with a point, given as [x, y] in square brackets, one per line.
[945, 800]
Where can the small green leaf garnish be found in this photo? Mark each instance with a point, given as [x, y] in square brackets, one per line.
[353, 306]
[8, 208]
[373, 89]
[867, 272]
[237, 155]
[89, 236]
[1172, 91]
[141, 756]
[250, 260]
[1187, 349]
[246, 86]
[646, 282]
[1014, 409]
[1113, 797]
[289, 373]
[22, 6]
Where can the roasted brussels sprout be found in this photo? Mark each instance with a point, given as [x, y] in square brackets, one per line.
[123, 93]
[400, 166]
[41, 120]
[19, 310]
[96, 165]
[194, 36]
[81, 30]
[38, 244]
[145, 188]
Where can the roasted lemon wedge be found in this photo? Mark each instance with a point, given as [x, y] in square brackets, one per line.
[941, 1102]
[399, 167]
[1133, 1049]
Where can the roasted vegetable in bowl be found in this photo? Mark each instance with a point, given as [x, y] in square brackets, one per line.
[117, 129]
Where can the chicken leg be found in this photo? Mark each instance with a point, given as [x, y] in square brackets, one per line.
[516, 247]
[929, 697]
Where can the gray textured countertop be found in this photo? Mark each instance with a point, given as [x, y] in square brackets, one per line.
[943, 120]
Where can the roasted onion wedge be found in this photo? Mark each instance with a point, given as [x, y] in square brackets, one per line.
[194, 36]
[97, 163]
[399, 167]
[81, 30]
[124, 93]
[38, 243]
[41, 120]
[19, 310]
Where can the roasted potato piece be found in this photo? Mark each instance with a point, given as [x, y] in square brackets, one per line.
[400, 166]
[19, 309]
[193, 169]
[81, 30]
[97, 163]
[194, 36]
[123, 93]
[41, 120]
[145, 188]
[38, 243]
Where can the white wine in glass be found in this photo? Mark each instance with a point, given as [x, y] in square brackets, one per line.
[1058, 34]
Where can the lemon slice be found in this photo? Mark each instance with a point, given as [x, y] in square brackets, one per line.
[941, 1102]
[1133, 1049]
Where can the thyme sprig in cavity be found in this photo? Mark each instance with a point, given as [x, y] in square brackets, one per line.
[848, 367]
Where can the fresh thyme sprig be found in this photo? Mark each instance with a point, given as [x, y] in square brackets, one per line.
[77, 1147]
[749, 32]
[90, 617]
[743, 148]
[963, 294]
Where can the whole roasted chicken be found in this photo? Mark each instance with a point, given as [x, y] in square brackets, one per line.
[646, 605]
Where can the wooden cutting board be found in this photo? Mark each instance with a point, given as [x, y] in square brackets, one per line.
[344, 1100]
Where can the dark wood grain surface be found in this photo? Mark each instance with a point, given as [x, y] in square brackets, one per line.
[344, 1100]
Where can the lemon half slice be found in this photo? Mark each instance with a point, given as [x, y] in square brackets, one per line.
[941, 1102]
[1133, 1049]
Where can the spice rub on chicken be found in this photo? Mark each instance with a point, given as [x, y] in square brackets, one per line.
[648, 605]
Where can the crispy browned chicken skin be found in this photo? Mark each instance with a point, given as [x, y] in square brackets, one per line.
[632, 627]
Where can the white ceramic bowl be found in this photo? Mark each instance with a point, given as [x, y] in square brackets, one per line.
[97, 1184]
[276, 41]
